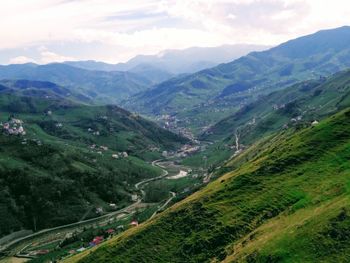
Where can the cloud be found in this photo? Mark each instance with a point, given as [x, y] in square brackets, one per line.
[44, 56]
[117, 30]
[21, 60]
[49, 57]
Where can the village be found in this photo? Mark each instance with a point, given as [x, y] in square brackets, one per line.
[87, 237]
[13, 127]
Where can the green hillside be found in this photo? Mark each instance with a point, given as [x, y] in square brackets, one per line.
[59, 159]
[99, 86]
[203, 98]
[41, 89]
[296, 105]
[286, 199]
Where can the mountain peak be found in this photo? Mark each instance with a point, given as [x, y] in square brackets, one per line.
[322, 41]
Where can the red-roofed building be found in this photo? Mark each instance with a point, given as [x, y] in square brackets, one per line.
[110, 231]
[134, 223]
[97, 240]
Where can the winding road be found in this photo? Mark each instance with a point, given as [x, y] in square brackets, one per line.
[127, 209]
[164, 174]
[164, 205]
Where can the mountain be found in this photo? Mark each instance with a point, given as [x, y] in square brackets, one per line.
[193, 59]
[41, 89]
[206, 96]
[150, 72]
[303, 102]
[286, 199]
[176, 61]
[99, 86]
[59, 159]
[294, 106]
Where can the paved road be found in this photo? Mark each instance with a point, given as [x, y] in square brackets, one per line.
[45, 231]
[130, 207]
[164, 174]
[165, 204]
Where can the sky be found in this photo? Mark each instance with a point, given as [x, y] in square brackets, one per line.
[45, 31]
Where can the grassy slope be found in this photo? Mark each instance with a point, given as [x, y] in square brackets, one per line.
[206, 96]
[311, 100]
[57, 180]
[289, 203]
[42, 89]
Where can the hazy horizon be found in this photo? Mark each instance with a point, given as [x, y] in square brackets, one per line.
[115, 31]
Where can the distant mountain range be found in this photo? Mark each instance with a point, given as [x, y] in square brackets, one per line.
[173, 62]
[101, 87]
[40, 89]
[211, 94]
[102, 83]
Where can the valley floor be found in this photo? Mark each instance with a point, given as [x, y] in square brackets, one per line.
[172, 173]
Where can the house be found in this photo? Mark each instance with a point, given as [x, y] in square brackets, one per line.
[115, 156]
[6, 126]
[121, 227]
[314, 123]
[134, 223]
[110, 231]
[16, 121]
[112, 205]
[97, 240]
[81, 249]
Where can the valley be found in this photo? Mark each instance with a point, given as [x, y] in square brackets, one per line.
[210, 153]
[198, 100]
[289, 177]
[44, 244]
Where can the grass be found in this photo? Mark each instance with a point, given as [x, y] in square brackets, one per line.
[213, 156]
[310, 100]
[288, 203]
[52, 176]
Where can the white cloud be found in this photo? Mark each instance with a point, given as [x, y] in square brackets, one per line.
[21, 60]
[231, 16]
[125, 28]
[49, 57]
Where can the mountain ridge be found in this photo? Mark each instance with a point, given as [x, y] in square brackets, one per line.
[102, 87]
[176, 61]
[203, 97]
